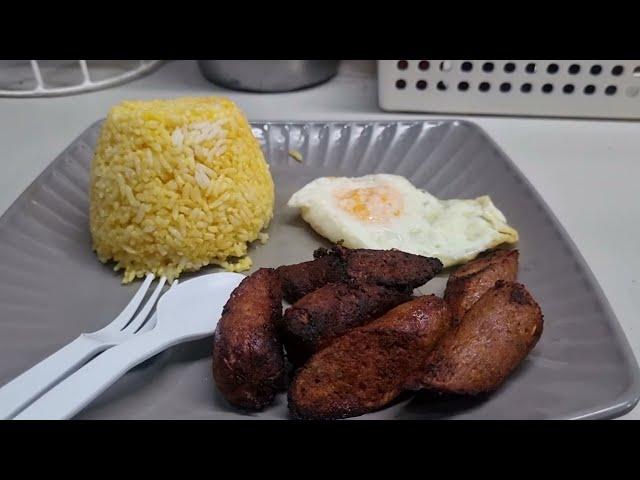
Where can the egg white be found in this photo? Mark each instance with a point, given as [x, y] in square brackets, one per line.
[454, 231]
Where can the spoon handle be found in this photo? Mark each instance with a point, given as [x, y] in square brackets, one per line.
[75, 392]
[19, 392]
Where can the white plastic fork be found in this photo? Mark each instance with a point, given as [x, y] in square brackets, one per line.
[23, 390]
[185, 313]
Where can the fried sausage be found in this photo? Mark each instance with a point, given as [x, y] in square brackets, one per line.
[391, 268]
[367, 368]
[469, 282]
[494, 337]
[303, 278]
[248, 358]
[325, 314]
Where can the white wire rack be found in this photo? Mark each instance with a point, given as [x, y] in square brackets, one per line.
[41, 88]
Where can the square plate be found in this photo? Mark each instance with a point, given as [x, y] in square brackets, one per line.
[52, 287]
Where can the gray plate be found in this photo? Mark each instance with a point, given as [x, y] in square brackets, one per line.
[52, 287]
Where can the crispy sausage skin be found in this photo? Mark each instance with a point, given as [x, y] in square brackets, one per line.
[303, 278]
[494, 337]
[391, 268]
[469, 282]
[330, 311]
[366, 368]
[248, 359]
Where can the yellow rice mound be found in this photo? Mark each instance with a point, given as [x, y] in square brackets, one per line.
[177, 185]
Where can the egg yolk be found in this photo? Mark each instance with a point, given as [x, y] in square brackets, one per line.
[371, 204]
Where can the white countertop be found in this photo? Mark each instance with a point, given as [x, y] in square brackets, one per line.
[587, 171]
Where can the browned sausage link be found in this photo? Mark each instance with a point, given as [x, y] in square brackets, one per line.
[300, 279]
[248, 359]
[392, 268]
[469, 282]
[495, 335]
[325, 314]
[365, 369]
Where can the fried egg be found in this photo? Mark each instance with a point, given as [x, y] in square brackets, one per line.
[385, 211]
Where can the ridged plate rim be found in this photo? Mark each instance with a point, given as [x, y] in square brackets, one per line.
[614, 408]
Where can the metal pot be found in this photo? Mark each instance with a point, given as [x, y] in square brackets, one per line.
[268, 75]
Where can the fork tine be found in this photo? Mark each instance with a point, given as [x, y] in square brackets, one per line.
[144, 313]
[149, 324]
[121, 320]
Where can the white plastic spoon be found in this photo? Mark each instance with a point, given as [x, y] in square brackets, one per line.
[188, 311]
